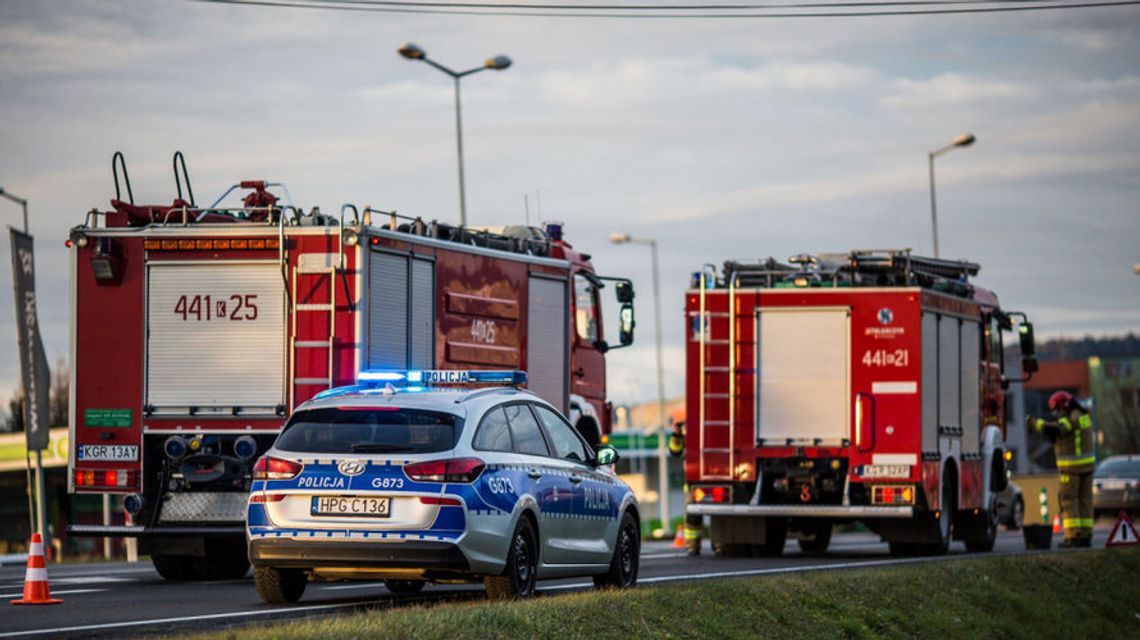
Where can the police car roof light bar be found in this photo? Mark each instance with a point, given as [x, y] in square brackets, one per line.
[442, 376]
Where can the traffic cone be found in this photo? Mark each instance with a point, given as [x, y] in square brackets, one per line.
[679, 539]
[36, 589]
[1057, 523]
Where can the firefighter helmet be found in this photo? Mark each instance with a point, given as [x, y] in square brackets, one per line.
[1060, 401]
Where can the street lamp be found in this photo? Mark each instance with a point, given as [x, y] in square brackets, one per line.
[498, 63]
[964, 140]
[662, 456]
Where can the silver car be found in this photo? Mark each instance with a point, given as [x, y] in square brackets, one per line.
[419, 484]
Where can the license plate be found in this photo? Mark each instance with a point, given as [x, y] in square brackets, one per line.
[108, 452]
[1113, 485]
[350, 506]
[886, 471]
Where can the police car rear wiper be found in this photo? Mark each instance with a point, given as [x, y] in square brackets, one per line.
[375, 447]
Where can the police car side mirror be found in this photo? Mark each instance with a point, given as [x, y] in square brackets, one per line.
[607, 455]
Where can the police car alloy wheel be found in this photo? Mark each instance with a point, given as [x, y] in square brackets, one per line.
[627, 555]
[519, 577]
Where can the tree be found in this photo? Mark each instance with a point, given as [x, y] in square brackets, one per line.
[14, 421]
[60, 394]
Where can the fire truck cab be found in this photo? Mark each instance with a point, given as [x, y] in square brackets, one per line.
[860, 386]
[195, 331]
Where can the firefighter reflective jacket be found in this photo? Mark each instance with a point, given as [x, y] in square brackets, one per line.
[1074, 448]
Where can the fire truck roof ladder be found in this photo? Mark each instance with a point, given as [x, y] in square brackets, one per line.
[704, 330]
[859, 268]
[512, 238]
[312, 268]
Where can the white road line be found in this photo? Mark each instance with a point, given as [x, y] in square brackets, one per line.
[90, 580]
[53, 592]
[158, 621]
[656, 556]
[366, 585]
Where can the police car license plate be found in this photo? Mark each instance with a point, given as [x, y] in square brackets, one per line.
[350, 506]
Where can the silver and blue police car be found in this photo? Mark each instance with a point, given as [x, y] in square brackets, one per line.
[405, 480]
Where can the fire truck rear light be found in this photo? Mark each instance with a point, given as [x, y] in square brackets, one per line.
[205, 244]
[374, 240]
[256, 244]
[272, 243]
[261, 498]
[152, 245]
[269, 468]
[239, 244]
[185, 244]
[169, 245]
[892, 494]
[222, 245]
[454, 470]
[109, 478]
[714, 494]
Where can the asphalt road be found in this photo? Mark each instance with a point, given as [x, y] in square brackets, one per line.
[117, 599]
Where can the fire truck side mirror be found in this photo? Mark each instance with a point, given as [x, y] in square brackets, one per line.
[625, 320]
[1028, 350]
[624, 291]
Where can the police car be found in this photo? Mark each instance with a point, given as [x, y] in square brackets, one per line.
[406, 479]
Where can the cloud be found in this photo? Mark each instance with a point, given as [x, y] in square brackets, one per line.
[952, 90]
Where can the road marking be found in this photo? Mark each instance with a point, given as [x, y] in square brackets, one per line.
[655, 556]
[54, 592]
[158, 621]
[91, 580]
[366, 585]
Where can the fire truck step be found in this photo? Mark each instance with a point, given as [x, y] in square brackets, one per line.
[313, 344]
[717, 449]
[309, 306]
[716, 423]
[314, 381]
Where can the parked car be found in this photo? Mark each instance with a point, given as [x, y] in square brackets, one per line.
[1116, 486]
[414, 484]
[1011, 507]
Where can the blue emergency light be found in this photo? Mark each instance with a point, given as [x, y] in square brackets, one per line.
[441, 376]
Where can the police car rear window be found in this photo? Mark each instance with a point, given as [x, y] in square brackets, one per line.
[366, 430]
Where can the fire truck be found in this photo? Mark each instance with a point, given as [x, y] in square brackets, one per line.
[196, 330]
[865, 386]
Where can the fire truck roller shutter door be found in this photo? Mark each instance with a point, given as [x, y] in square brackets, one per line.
[214, 336]
[929, 382]
[949, 377]
[971, 348]
[546, 340]
[388, 311]
[422, 310]
[803, 362]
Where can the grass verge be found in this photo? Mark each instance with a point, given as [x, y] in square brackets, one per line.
[1093, 594]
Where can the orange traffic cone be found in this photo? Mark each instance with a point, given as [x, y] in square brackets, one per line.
[1057, 524]
[679, 539]
[36, 589]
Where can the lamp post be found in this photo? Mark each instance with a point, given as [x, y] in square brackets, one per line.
[662, 454]
[35, 516]
[498, 63]
[964, 140]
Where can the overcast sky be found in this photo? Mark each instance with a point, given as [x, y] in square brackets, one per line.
[720, 138]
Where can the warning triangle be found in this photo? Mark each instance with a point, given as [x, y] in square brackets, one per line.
[1123, 532]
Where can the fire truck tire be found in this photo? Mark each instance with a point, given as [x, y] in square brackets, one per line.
[519, 575]
[728, 550]
[404, 587]
[775, 536]
[224, 560]
[941, 525]
[174, 568]
[819, 538]
[626, 560]
[279, 586]
[981, 532]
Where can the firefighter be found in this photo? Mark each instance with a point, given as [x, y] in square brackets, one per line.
[691, 530]
[1070, 430]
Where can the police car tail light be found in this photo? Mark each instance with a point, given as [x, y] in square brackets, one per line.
[266, 497]
[454, 470]
[270, 468]
[445, 502]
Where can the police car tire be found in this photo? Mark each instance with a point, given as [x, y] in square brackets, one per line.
[524, 549]
[279, 586]
[404, 587]
[627, 556]
[173, 568]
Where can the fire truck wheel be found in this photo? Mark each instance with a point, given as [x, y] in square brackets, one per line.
[775, 535]
[732, 550]
[941, 524]
[224, 560]
[627, 555]
[279, 586]
[404, 587]
[816, 539]
[174, 568]
[981, 532]
[519, 575]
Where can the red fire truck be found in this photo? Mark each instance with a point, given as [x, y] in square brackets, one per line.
[861, 386]
[195, 331]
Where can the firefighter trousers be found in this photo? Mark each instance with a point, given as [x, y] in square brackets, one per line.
[1076, 505]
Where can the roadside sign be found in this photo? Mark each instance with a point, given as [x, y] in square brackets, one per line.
[1123, 532]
